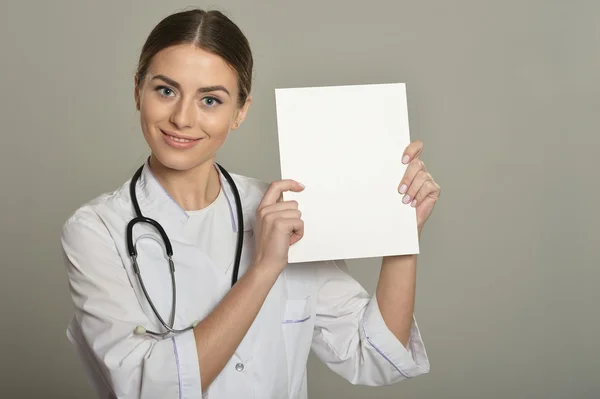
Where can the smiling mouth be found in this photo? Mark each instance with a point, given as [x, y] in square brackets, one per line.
[179, 139]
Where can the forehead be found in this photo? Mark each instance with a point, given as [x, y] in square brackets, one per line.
[193, 66]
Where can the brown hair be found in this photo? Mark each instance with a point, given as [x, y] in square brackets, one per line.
[209, 30]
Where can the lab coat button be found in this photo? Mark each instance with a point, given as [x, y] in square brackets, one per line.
[239, 367]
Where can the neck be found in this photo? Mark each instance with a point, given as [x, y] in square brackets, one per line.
[192, 189]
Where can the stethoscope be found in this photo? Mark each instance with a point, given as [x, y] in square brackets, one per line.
[139, 330]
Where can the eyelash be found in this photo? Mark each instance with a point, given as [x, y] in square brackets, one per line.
[161, 89]
[215, 99]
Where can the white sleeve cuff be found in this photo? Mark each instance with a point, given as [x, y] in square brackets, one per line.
[410, 361]
[188, 369]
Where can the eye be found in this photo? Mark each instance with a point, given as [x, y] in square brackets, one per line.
[165, 91]
[211, 102]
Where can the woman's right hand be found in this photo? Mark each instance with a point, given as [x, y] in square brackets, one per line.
[278, 225]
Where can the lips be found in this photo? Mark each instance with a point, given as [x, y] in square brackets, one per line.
[179, 142]
[179, 138]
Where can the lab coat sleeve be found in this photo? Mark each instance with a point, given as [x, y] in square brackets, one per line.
[106, 314]
[351, 337]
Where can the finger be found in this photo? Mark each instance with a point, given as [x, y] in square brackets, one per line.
[297, 236]
[411, 171]
[429, 189]
[297, 232]
[412, 151]
[277, 188]
[276, 207]
[273, 217]
[291, 226]
[420, 179]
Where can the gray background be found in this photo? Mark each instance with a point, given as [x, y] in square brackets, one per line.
[504, 94]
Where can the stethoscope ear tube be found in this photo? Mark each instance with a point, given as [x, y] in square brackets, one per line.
[142, 219]
[240, 217]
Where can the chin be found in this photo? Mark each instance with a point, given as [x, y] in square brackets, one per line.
[180, 161]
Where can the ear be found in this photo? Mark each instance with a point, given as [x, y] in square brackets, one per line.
[136, 91]
[241, 113]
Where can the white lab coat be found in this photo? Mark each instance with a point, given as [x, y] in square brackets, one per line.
[314, 306]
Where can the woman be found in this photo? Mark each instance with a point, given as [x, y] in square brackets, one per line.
[251, 339]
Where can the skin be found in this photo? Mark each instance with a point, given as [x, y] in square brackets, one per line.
[184, 108]
[178, 96]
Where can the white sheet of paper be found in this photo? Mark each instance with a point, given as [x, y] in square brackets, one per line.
[345, 144]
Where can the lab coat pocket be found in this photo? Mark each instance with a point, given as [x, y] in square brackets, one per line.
[297, 325]
[297, 311]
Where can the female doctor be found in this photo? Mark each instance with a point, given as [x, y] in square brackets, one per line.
[151, 264]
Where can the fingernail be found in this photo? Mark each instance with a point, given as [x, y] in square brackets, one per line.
[406, 199]
[413, 203]
[403, 189]
[405, 159]
[302, 185]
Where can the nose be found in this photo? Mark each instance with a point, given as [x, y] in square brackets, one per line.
[183, 114]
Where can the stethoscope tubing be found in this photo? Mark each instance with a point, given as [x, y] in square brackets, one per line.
[139, 218]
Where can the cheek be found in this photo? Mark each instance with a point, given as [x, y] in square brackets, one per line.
[152, 111]
[216, 123]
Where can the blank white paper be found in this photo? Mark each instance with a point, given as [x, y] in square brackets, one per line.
[345, 144]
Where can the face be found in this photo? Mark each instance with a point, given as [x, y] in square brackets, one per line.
[188, 103]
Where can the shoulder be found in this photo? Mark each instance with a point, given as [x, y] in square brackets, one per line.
[96, 215]
[92, 243]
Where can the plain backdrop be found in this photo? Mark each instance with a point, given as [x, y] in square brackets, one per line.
[504, 94]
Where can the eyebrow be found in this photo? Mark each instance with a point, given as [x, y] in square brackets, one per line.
[176, 85]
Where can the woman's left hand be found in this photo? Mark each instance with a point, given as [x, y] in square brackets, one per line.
[417, 185]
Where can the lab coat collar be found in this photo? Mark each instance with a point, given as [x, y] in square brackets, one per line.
[157, 204]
